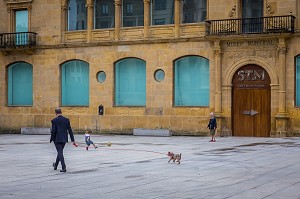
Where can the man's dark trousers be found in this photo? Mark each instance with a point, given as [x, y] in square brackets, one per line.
[60, 154]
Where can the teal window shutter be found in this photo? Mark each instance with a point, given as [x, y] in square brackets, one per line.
[20, 85]
[130, 82]
[191, 81]
[298, 81]
[75, 83]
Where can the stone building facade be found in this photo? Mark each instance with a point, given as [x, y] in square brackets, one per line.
[168, 71]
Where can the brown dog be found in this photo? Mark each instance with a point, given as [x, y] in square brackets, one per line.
[174, 157]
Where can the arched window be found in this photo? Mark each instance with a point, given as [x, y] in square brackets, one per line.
[75, 83]
[191, 81]
[130, 82]
[297, 76]
[19, 85]
[77, 15]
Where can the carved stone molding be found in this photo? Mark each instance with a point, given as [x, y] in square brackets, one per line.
[17, 4]
[89, 5]
[218, 52]
[271, 8]
[118, 3]
[17, 1]
[269, 55]
[232, 12]
[282, 50]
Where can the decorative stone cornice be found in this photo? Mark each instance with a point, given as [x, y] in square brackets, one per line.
[17, 4]
[17, 1]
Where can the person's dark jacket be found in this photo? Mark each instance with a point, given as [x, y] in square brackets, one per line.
[60, 129]
[212, 123]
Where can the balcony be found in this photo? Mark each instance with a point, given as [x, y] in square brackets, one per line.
[262, 25]
[17, 41]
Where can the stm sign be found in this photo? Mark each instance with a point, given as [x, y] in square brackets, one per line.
[251, 75]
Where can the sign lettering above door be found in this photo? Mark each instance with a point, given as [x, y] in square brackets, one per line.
[251, 75]
[250, 43]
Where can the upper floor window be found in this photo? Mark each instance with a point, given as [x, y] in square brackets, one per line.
[77, 15]
[130, 82]
[75, 83]
[297, 76]
[19, 85]
[191, 81]
[252, 12]
[21, 27]
[104, 14]
[133, 13]
[162, 12]
[160, 4]
[193, 11]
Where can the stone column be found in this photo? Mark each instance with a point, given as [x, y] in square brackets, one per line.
[64, 13]
[218, 84]
[281, 117]
[90, 19]
[117, 18]
[177, 17]
[146, 18]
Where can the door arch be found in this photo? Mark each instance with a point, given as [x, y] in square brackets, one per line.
[251, 102]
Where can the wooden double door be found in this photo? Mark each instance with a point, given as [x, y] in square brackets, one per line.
[251, 102]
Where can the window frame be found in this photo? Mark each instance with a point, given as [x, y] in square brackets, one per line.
[8, 88]
[62, 82]
[174, 80]
[295, 81]
[115, 83]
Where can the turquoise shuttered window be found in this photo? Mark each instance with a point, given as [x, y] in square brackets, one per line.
[130, 82]
[20, 84]
[22, 27]
[297, 81]
[75, 83]
[191, 81]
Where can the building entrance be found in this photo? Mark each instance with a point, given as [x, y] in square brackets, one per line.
[251, 102]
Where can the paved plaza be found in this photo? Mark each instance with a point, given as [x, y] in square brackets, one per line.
[137, 167]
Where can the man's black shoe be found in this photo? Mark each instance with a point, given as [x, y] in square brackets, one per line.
[54, 166]
[63, 170]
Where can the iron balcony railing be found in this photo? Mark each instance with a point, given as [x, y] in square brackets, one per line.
[261, 25]
[17, 40]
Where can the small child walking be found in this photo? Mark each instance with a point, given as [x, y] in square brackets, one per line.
[88, 140]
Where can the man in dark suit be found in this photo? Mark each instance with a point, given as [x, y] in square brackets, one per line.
[59, 135]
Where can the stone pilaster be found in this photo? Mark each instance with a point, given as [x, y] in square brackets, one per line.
[146, 18]
[281, 117]
[64, 13]
[118, 4]
[90, 19]
[218, 77]
[177, 17]
[218, 85]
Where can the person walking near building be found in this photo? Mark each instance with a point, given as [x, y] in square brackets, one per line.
[59, 135]
[212, 125]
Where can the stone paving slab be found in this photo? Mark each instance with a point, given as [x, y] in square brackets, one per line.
[136, 167]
